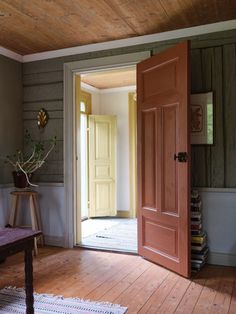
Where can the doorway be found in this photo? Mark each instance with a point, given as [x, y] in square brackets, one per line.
[72, 231]
[107, 102]
[167, 64]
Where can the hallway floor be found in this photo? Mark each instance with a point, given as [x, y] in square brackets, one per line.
[115, 234]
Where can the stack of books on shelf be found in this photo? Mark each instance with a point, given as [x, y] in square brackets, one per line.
[198, 236]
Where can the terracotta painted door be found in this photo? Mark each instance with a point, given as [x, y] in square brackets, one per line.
[163, 159]
[102, 165]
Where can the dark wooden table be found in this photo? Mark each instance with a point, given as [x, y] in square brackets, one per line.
[14, 240]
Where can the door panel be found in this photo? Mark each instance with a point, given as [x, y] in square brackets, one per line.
[167, 234]
[170, 178]
[163, 182]
[164, 76]
[149, 160]
[102, 166]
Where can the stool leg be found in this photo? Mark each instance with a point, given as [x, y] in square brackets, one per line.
[38, 218]
[14, 209]
[33, 222]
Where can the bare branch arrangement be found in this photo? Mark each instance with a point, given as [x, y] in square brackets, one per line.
[28, 163]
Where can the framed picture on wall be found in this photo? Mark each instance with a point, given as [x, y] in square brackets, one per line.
[202, 119]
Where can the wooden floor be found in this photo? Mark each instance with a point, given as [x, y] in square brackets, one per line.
[125, 279]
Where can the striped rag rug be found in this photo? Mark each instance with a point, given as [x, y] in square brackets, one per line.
[12, 300]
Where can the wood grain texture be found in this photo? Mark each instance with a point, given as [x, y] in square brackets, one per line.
[162, 132]
[206, 300]
[43, 92]
[229, 76]
[36, 26]
[111, 78]
[213, 70]
[198, 152]
[207, 59]
[217, 150]
[213, 170]
[51, 105]
[43, 78]
[125, 279]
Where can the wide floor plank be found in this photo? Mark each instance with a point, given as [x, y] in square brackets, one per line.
[125, 283]
[117, 277]
[191, 296]
[232, 308]
[125, 279]
[161, 293]
[223, 296]
[207, 296]
[141, 290]
[175, 296]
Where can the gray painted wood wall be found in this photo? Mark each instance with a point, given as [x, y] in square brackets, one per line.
[11, 126]
[213, 67]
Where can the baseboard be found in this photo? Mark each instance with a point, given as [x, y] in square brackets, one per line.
[54, 240]
[222, 259]
[6, 185]
[123, 214]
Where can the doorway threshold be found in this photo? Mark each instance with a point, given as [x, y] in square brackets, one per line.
[112, 250]
[112, 234]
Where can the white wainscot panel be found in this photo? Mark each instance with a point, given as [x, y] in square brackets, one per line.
[219, 221]
[52, 210]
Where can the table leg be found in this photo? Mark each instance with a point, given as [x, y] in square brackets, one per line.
[29, 281]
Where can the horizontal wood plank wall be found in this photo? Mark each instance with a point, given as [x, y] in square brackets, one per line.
[213, 68]
[45, 90]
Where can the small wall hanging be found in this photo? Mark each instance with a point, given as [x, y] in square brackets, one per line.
[202, 119]
[42, 118]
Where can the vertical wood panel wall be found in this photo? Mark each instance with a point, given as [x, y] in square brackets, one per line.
[213, 67]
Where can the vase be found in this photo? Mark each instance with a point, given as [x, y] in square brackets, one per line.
[20, 180]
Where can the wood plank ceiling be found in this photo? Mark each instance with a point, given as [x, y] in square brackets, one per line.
[42, 25]
[111, 78]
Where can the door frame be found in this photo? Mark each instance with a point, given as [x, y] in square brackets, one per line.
[133, 180]
[71, 156]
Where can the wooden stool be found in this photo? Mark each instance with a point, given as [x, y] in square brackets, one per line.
[34, 212]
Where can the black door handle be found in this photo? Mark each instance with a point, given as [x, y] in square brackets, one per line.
[181, 157]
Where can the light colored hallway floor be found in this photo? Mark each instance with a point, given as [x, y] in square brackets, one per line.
[115, 234]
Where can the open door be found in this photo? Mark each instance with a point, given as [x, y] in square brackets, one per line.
[102, 165]
[164, 159]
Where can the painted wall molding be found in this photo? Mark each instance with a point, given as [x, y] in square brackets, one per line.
[118, 89]
[216, 208]
[11, 54]
[51, 184]
[216, 258]
[216, 190]
[108, 90]
[70, 154]
[53, 240]
[139, 40]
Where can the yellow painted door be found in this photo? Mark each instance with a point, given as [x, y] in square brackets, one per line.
[102, 165]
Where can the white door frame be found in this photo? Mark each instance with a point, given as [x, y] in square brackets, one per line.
[71, 182]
